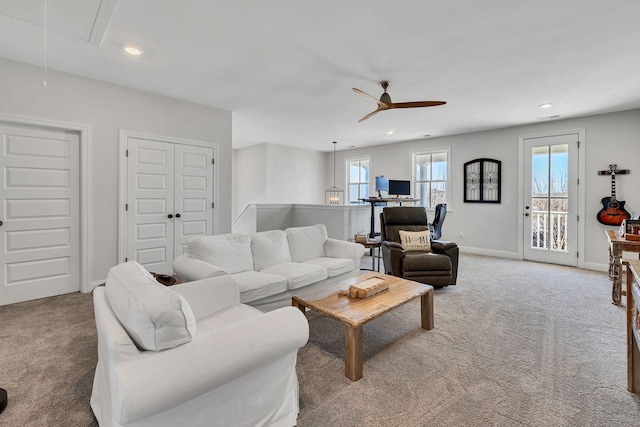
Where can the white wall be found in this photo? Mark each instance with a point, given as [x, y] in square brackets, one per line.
[487, 228]
[249, 171]
[295, 175]
[278, 174]
[108, 108]
[610, 138]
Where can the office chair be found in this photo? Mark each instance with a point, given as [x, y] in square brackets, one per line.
[438, 218]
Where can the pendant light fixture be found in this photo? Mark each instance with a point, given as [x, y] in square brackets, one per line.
[334, 195]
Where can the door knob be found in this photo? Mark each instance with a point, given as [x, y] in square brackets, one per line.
[1, 223]
[526, 207]
[527, 214]
[177, 215]
[170, 216]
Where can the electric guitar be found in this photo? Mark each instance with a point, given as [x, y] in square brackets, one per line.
[613, 211]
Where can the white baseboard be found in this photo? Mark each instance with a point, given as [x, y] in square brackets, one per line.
[488, 252]
[95, 284]
[597, 266]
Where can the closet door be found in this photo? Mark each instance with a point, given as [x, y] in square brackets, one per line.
[193, 194]
[169, 199]
[40, 215]
[150, 204]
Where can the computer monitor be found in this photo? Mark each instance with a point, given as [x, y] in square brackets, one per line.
[399, 187]
[382, 184]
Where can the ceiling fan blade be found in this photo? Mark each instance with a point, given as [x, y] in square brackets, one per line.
[369, 115]
[416, 104]
[366, 95]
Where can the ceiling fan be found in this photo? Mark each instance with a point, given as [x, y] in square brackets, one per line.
[386, 104]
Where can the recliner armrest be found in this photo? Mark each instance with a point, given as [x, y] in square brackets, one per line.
[215, 358]
[441, 245]
[394, 245]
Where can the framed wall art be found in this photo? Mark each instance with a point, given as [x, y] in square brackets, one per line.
[482, 181]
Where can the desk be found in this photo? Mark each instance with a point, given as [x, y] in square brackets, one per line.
[633, 326]
[374, 200]
[617, 245]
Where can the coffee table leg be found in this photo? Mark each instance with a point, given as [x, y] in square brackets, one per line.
[426, 310]
[296, 303]
[353, 352]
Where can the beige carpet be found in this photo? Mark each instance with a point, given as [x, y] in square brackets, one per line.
[514, 344]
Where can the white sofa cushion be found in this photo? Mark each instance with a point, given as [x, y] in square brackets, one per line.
[298, 274]
[254, 285]
[231, 252]
[269, 248]
[306, 242]
[155, 317]
[334, 266]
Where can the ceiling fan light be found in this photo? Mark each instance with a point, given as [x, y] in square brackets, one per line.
[547, 105]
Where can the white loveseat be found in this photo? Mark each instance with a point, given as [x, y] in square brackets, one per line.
[192, 355]
[272, 266]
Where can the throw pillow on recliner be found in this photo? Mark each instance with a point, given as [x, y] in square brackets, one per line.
[415, 240]
[155, 317]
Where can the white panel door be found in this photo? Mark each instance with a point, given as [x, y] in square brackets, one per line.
[193, 193]
[40, 213]
[169, 199]
[150, 202]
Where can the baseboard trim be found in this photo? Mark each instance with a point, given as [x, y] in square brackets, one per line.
[488, 252]
[597, 266]
[95, 284]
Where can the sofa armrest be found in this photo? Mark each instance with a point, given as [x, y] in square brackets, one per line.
[189, 269]
[208, 296]
[156, 381]
[342, 249]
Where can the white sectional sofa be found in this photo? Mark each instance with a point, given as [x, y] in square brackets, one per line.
[192, 355]
[270, 267]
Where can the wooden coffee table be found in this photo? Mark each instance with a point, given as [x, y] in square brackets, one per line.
[355, 313]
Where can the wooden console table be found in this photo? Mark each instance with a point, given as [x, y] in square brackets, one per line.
[633, 326]
[617, 245]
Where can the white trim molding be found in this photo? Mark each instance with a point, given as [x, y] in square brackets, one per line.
[124, 135]
[84, 131]
[581, 189]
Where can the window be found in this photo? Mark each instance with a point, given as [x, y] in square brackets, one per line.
[430, 171]
[358, 180]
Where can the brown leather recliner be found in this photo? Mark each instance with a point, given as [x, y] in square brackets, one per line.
[437, 268]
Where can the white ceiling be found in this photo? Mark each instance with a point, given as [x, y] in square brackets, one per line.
[285, 68]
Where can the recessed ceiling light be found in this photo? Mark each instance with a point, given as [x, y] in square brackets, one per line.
[548, 105]
[391, 132]
[132, 50]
